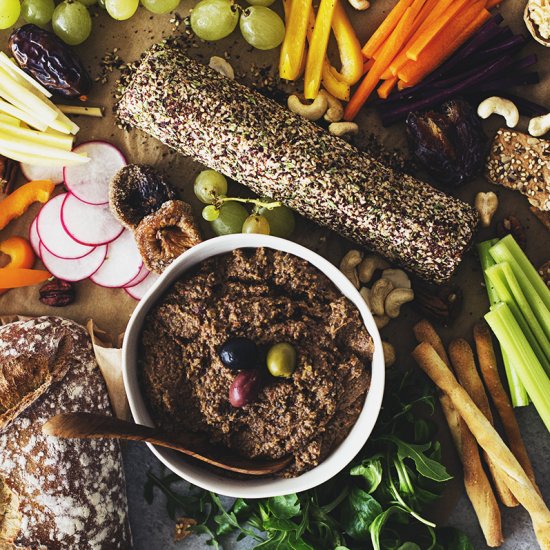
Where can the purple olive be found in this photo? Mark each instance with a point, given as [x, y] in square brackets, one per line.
[245, 388]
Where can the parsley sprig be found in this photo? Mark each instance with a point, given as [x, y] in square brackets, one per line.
[378, 502]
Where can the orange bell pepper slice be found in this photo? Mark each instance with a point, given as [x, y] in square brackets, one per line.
[17, 203]
[20, 252]
[15, 277]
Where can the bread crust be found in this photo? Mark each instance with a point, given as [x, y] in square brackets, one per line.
[71, 492]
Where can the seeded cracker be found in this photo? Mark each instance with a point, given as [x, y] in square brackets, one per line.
[274, 152]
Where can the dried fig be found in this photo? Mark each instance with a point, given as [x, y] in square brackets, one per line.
[165, 234]
[136, 191]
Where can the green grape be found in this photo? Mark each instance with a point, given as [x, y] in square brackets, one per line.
[260, 2]
[37, 12]
[209, 185]
[121, 9]
[262, 27]
[160, 6]
[71, 21]
[9, 13]
[214, 19]
[231, 218]
[281, 220]
[256, 224]
[210, 213]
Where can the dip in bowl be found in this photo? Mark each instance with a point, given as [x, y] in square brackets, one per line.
[269, 291]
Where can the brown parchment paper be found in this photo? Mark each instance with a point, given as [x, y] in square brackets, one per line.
[111, 309]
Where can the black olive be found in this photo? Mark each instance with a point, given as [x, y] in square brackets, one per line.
[239, 353]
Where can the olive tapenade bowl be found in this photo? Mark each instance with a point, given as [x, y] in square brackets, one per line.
[204, 476]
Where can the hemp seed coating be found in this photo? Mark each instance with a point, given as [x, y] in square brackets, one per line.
[276, 153]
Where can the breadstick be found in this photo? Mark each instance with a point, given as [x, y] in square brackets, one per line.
[462, 358]
[477, 485]
[489, 440]
[489, 371]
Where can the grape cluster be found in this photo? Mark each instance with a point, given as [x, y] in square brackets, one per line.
[71, 21]
[228, 215]
[261, 27]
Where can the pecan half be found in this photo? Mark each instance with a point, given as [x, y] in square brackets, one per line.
[510, 225]
[8, 174]
[440, 302]
[57, 293]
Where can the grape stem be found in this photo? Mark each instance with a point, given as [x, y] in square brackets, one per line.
[257, 202]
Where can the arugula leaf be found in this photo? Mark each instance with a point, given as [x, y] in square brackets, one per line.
[425, 466]
[358, 512]
[409, 546]
[371, 471]
[284, 507]
[377, 524]
[453, 539]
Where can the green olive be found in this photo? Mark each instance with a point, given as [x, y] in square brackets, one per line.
[281, 360]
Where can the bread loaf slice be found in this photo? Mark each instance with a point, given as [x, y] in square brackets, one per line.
[55, 493]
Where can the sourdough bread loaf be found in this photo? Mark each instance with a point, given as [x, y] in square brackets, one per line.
[55, 493]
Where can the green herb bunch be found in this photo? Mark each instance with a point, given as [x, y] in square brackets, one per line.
[377, 502]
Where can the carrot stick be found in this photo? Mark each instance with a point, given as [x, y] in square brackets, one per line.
[492, 3]
[382, 33]
[367, 65]
[386, 87]
[14, 277]
[318, 48]
[391, 48]
[455, 34]
[426, 36]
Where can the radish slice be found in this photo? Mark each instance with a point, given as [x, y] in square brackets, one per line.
[90, 182]
[90, 224]
[53, 235]
[143, 272]
[73, 270]
[122, 264]
[34, 239]
[140, 290]
[52, 173]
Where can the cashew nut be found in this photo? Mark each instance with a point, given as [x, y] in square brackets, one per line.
[340, 129]
[349, 264]
[220, 65]
[381, 321]
[395, 299]
[311, 111]
[389, 354]
[539, 125]
[486, 204]
[398, 277]
[366, 294]
[360, 5]
[335, 111]
[499, 106]
[369, 265]
[379, 291]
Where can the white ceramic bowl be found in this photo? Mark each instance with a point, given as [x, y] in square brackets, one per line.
[268, 487]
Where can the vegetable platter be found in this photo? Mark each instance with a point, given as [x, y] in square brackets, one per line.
[111, 309]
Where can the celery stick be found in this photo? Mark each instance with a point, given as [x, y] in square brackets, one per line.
[9, 88]
[50, 139]
[509, 292]
[518, 395]
[18, 145]
[36, 160]
[11, 120]
[508, 250]
[530, 371]
[25, 117]
[21, 76]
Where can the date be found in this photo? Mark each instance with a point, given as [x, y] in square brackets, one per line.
[50, 61]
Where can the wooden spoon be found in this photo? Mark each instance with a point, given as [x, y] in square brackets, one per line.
[81, 425]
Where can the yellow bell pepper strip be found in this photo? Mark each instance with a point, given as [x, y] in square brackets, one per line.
[17, 203]
[292, 50]
[20, 252]
[16, 277]
[332, 84]
[318, 48]
[348, 47]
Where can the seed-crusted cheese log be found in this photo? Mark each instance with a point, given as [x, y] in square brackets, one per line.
[274, 152]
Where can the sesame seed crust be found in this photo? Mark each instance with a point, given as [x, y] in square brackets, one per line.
[274, 152]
